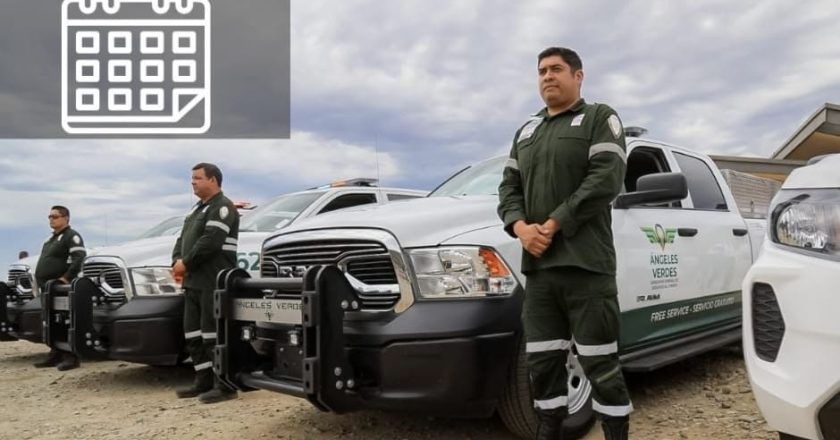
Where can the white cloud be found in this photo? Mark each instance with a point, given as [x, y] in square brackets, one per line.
[434, 84]
[122, 187]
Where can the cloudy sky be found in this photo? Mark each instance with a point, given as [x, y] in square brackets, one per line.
[412, 90]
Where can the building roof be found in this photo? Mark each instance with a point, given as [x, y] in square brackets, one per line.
[776, 169]
[818, 135]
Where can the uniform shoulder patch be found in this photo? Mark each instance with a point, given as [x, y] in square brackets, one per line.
[615, 125]
[77, 240]
[529, 128]
[223, 213]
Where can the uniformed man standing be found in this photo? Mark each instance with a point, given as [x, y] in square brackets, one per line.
[207, 245]
[61, 259]
[566, 165]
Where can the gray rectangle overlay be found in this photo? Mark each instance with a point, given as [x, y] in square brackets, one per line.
[127, 68]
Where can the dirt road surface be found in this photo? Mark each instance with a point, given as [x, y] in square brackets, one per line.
[707, 397]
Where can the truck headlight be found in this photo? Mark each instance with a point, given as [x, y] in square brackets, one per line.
[810, 222]
[461, 272]
[154, 281]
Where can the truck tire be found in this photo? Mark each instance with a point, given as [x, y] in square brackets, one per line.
[516, 408]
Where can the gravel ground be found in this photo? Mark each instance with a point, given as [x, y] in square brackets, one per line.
[707, 397]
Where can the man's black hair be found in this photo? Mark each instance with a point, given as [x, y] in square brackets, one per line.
[211, 171]
[569, 56]
[61, 210]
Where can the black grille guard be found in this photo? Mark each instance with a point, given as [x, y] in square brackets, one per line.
[6, 295]
[67, 314]
[55, 314]
[327, 376]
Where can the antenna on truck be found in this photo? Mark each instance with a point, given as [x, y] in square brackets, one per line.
[376, 156]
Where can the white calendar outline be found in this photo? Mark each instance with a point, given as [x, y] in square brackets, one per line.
[157, 6]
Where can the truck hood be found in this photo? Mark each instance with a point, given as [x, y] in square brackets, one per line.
[822, 174]
[157, 251]
[415, 223]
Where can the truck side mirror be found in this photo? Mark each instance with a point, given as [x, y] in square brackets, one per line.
[654, 189]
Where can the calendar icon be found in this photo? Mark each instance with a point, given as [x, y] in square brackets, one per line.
[135, 66]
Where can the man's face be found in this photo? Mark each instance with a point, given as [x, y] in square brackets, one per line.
[202, 185]
[559, 86]
[57, 221]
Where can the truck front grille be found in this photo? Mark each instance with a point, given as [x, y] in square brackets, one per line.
[108, 276]
[768, 323]
[19, 277]
[367, 261]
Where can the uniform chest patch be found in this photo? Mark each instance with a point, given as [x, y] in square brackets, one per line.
[223, 212]
[529, 129]
[77, 240]
[615, 125]
[578, 120]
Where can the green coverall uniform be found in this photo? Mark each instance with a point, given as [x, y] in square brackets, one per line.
[61, 256]
[569, 167]
[207, 245]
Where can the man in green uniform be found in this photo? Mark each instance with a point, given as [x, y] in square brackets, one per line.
[566, 165]
[207, 245]
[61, 259]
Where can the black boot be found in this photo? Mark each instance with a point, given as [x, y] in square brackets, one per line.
[52, 360]
[69, 362]
[203, 382]
[219, 393]
[616, 428]
[550, 423]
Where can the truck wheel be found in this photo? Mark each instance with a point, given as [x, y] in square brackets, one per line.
[783, 436]
[516, 408]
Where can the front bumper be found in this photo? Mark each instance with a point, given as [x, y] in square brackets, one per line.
[792, 363]
[147, 330]
[437, 357]
[19, 319]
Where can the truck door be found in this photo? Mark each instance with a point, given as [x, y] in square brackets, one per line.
[671, 275]
[722, 243]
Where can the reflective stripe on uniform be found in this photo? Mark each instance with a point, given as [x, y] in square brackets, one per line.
[612, 410]
[555, 344]
[217, 224]
[597, 350]
[607, 147]
[512, 163]
[231, 240]
[77, 249]
[229, 247]
[208, 364]
[207, 336]
[190, 335]
[608, 375]
[554, 403]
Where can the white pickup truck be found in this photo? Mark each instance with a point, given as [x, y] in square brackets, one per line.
[791, 330]
[416, 306]
[126, 305]
[20, 302]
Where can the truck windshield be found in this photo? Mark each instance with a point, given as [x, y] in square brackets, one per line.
[481, 179]
[170, 226]
[278, 212]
